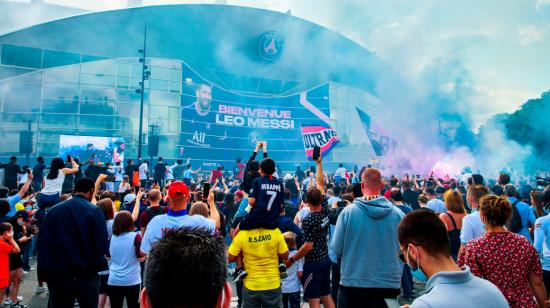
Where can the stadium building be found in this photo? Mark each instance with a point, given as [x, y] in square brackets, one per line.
[221, 78]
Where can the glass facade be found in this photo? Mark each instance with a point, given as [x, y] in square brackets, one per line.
[72, 94]
[95, 98]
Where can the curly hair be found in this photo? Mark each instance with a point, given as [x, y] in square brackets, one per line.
[496, 210]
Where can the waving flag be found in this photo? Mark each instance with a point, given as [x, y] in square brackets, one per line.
[318, 135]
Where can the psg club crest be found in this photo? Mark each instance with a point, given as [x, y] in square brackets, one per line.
[271, 46]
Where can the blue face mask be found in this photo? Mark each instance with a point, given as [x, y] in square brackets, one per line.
[417, 273]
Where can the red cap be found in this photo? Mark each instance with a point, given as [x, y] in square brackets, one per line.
[178, 190]
[239, 193]
[387, 193]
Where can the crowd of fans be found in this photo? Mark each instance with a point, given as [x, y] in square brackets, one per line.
[168, 236]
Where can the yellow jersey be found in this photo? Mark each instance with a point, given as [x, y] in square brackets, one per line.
[260, 249]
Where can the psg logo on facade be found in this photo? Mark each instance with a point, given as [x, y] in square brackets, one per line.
[271, 45]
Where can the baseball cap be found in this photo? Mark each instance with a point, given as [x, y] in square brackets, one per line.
[23, 214]
[177, 190]
[129, 198]
[239, 193]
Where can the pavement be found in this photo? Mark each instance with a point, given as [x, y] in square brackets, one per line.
[33, 300]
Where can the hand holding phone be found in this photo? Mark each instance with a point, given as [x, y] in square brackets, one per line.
[206, 191]
[316, 153]
[69, 158]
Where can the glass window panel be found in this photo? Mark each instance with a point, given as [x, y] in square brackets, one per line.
[105, 67]
[54, 58]
[101, 106]
[123, 82]
[60, 91]
[160, 73]
[130, 96]
[29, 78]
[96, 122]
[60, 105]
[175, 87]
[21, 56]
[136, 70]
[158, 112]
[123, 69]
[98, 80]
[97, 94]
[65, 74]
[175, 74]
[16, 104]
[60, 121]
[16, 120]
[160, 98]
[22, 90]
[131, 110]
[157, 84]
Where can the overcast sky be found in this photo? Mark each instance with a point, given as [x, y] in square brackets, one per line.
[498, 50]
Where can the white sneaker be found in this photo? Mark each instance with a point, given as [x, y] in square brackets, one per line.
[25, 273]
[41, 289]
[7, 301]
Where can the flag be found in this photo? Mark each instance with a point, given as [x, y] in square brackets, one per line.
[318, 135]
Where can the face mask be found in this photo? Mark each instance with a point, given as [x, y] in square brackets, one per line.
[417, 273]
[20, 222]
[28, 208]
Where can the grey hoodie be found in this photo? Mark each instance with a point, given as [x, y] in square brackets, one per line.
[365, 240]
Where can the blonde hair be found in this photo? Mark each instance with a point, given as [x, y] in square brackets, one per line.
[453, 201]
[290, 239]
[199, 208]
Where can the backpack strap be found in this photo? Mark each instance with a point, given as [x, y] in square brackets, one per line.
[515, 202]
[452, 221]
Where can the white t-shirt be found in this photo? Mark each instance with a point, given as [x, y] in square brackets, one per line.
[54, 186]
[291, 283]
[143, 171]
[341, 172]
[472, 228]
[160, 224]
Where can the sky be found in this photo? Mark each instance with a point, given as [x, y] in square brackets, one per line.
[490, 56]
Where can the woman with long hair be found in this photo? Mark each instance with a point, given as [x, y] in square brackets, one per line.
[506, 259]
[453, 219]
[53, 182]
[124, 270]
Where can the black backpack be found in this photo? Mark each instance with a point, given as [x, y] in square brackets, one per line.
[514, 224]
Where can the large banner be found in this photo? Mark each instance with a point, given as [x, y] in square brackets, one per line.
[321, 136]
[219, 126]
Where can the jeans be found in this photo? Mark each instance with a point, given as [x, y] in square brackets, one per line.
[291, 300]
[27, 250]
[407, 282]
[239, 287]
[335, 267]
[64, 291]
[118, 293]
[262, 299]
[365, 297]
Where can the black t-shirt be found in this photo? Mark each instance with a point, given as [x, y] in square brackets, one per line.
[269, 196]
[160, 169]
[316, 230]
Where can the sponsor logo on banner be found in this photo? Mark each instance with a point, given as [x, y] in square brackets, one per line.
[318, 135]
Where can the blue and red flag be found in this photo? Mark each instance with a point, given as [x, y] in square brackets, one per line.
[318, 135]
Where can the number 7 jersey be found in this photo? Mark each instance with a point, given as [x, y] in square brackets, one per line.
[269, 196]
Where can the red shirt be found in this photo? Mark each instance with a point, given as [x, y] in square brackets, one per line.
[507, 260]
[215, 175]
[5, 250]
[241, 167]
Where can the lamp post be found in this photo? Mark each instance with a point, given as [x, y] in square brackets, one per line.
[145, 73]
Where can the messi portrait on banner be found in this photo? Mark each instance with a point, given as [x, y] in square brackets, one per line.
[218, 125]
